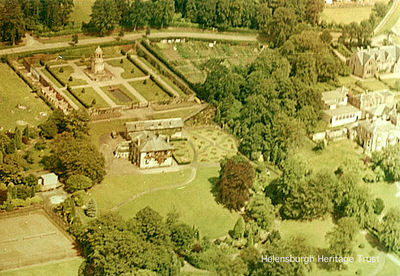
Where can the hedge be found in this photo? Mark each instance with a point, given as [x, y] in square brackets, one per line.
[77, 98]
[161, 86]
[47, 68]
[138, 65]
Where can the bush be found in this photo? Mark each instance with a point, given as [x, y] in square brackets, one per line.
[319, 146]
[79, 198]
[78, 182]
[40, 145]
[91, 209]
[379, 205]
[369, 177]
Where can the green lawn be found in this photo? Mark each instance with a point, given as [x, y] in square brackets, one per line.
[174, 114]
[62, 268]
[128, 98]
[128, 67]
[51, 78]
[64, 73]
[88, 95]
[389, 268]
[195, 204]
[150, 90]
[116, 189]
[373, 85]
[333, 155]
[14, 91]
[346, 15]
[314, 231]
[82, 10]
[386, 191]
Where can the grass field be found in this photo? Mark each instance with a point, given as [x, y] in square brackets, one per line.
[116, 189]
[31, 238]
[151, 91]
[122, 97]
[64, 73]
[346, 15]
[62, 268]
[14, 91]
[130, 70]
[313, 231]
[334, 154]
[87, 95]
[82, 10]
[386, 191]
[194, 202]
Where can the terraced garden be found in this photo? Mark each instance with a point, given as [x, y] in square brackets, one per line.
[150, 90]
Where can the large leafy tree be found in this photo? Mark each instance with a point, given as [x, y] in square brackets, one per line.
[76, 156]
[236, 179]
[12, 21]
[105, 16]
[163, 13]
[389, 233]
[262, 211]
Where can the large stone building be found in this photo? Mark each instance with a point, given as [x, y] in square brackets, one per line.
[366, 63]
[374, 135]
[98, 62]
[374, 104]
[338, 112]
[150, 151]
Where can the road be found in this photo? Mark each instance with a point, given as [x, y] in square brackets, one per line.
[34, 45]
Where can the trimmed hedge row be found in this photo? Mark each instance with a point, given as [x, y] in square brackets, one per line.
[225, 41]
[138, 65]
[161, 86]
[188, 85]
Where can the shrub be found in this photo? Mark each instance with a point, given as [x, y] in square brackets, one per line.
[78, 182]
[379, 205]
[79, 198]
[91, 208]
[61, 70]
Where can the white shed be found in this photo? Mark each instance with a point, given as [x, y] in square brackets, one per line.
[48, 181]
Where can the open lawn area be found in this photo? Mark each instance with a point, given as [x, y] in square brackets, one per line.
[194, 202]
[116, 189]
[68, 267]
[119, 94]
[98, 129]
[313, 231]
[392, 20]
[130, 70]
[373, 84]
[150, 90]
[64, 74]
[87, 95]
[346, 15]
[14, 91]
[332, 156]
[387, 192]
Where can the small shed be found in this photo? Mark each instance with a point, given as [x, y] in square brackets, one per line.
[48, 181]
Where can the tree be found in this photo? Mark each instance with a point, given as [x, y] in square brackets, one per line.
[313, 10]
[91, 208]
[77, 182]
[379, 205]
[326, 36]
[389, 233]
[262, 211]
[76, 157]
[238, 229]
[183, 237]
[389, 161]
[74, 40]
[12, 22]
[18, 138]
[163, 12]
[105, 16]
[236, 178]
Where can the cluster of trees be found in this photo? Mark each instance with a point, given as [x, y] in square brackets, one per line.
[74, 158]
[271, 104]
[17, 16]
[147, 243]
[387, 163]
[267, 16]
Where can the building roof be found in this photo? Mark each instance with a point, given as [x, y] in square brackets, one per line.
[379, 126]
[149, 142]
[376, 98]
[334, 94]
[342, 110]
[49, 178]
[154, 125]
[381, 54]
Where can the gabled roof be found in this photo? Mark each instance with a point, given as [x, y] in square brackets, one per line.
[154, 124]
[155, 143]
[381, 54]
[330, 97]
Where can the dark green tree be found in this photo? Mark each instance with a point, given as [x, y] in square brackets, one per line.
[12, 21]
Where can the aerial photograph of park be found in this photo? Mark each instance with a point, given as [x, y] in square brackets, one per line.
[200, 137]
